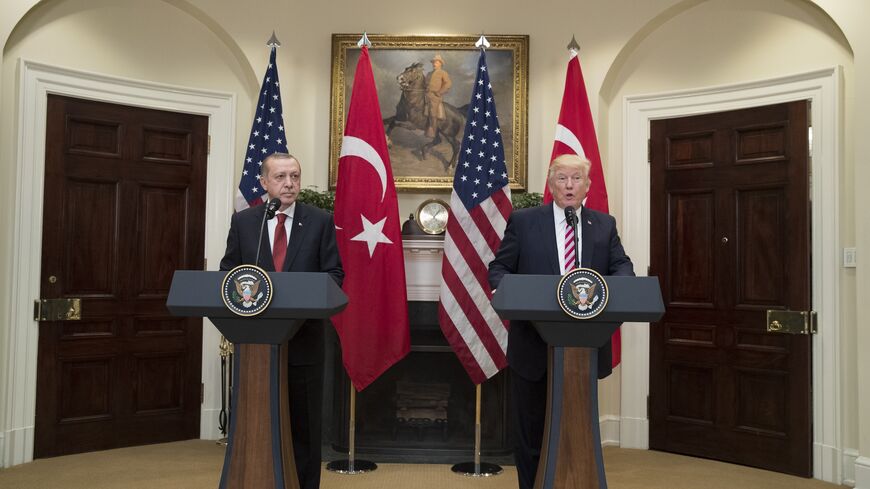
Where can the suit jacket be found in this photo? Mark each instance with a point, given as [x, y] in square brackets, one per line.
[529, 246]
[311, 248]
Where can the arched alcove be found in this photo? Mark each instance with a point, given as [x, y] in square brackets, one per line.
[701, 56]
[163, 55]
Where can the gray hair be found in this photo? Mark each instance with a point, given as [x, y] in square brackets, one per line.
[569, 161]
[277, 155]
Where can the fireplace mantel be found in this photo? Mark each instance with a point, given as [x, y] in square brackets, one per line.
[423, 268]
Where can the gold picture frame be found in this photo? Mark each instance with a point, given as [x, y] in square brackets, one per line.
[417, 165]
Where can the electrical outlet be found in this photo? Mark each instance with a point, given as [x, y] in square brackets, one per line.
[850, 258]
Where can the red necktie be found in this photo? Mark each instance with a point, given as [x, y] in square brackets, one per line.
[569, 247]
[279, 247]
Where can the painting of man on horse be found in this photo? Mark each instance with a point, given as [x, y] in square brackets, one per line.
[421, 107]
[423, 95]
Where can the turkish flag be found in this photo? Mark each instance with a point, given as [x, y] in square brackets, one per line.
[575, 134]
[373, 328]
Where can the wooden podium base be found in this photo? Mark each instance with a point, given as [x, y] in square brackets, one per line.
[571, 456]
[260, 449]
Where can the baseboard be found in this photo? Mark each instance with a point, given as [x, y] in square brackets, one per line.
[609, 426]
[862, 473]
[634, 433]
[828, 463]
[208, 424]
[850, 455]
[16, 446]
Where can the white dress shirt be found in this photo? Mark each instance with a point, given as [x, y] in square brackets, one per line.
[272, 224]
[559, 218]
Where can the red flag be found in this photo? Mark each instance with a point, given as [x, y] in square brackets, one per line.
[373, 329]
[575, 134]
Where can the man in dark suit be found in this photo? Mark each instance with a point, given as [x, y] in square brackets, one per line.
[301, 238]
[538, 241]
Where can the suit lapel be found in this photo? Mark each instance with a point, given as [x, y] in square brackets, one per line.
[586, 245]
[547, 229]
[299, 218]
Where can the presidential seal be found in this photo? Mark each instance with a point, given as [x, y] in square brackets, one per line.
[582, 293]
[247, 290]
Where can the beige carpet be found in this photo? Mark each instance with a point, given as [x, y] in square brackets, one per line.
[196, 464]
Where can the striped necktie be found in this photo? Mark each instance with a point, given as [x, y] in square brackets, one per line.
[569, 247]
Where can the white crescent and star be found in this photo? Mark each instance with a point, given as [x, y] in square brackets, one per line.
[354, 146]
[565, 136]
[373, 233]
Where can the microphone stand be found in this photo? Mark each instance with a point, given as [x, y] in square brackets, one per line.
[271, 208]
[576, 239]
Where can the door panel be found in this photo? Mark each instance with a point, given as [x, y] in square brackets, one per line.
[124, 208]
[730, 240]
[692, 242]
[90, 212]
[761, 265]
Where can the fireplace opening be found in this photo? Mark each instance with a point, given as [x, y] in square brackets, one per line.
[422, 409]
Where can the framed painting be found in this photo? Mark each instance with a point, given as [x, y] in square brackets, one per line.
[424, 148]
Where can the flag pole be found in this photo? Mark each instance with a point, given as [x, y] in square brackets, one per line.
[573, 46]
[477, 468]
[351, 466]
[365, 128]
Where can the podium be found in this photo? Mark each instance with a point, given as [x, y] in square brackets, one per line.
[260, 449]
[571, 455]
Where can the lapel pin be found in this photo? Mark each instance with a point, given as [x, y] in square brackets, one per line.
[589, 222]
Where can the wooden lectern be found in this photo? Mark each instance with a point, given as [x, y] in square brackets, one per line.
[571, 455]
[260, 449]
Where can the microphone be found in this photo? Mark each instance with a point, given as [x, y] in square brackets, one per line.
[271, 208]
[571, 216]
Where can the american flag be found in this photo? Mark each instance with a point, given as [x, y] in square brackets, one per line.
[267, 137]
[480, 205]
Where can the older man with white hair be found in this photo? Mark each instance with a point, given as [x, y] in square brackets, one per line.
[540, 241]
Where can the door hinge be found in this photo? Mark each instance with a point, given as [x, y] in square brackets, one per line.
[208, 146]
[810, 141]
[202, 393]
[648, 271]
[648, 151]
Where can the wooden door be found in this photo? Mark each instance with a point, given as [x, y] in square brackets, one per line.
[730, 239]
[124, 207]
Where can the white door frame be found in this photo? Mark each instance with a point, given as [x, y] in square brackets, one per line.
[36, 81]
[822, 87]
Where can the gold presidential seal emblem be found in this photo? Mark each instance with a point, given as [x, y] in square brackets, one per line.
[582, 293]
[247, 290]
